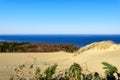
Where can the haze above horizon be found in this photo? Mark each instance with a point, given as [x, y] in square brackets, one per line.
[59, 16]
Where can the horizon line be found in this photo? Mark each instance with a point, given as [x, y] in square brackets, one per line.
[59, 34]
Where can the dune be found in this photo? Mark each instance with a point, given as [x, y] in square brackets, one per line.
[89, 57]
[102, 46]
[92, 60]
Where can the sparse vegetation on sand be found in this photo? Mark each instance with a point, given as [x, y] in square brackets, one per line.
[35, 47]
[74, 72]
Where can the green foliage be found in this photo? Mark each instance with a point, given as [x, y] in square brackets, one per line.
[66, 76]
[96, 78]
[49, 72]
[75, 71]
[37, 72]
[89, 76]
[22, 66]
[109, 69]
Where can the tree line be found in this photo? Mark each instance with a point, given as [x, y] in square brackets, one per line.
[36, 47]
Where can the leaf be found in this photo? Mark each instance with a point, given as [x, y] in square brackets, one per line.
[109, 68]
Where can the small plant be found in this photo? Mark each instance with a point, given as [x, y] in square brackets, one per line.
[88, 76]
[72, 73]
[66, 76]
[109, 71]
[75, 71]
[49, 72]
[31, 66]
[38, 74]
[19, 72]
[21, 66]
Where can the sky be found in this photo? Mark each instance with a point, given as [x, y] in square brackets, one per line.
[59, 16]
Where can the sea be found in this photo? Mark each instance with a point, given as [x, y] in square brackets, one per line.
[76, 39]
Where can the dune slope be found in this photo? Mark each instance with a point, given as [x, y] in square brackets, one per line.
[92, 55]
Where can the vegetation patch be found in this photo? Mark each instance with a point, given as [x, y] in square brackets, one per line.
[74, 72]
[36, 47]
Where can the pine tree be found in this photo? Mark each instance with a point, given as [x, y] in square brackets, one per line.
[49, 72]
[109, 71]
[109, 68]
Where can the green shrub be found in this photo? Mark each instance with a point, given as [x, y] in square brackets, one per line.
[75, 71]
[49, 72]
[109, 69]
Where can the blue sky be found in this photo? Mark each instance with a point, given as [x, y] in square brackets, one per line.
[59, 16]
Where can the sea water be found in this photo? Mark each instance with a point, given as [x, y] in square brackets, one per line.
[78, 39]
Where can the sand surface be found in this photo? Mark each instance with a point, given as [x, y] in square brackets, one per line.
[90, 59]
[9, 60]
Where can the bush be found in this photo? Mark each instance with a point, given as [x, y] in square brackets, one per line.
[73, 73]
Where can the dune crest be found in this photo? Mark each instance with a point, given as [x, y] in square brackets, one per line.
[102, 46]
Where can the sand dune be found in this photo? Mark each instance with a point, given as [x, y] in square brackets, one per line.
[92, 55]
[9, 60]
[103, 46]
[90, 58]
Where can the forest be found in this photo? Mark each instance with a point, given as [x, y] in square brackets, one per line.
[6, 47]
